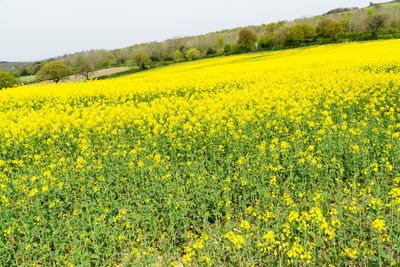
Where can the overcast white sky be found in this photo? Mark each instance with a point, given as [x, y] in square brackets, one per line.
[39, 29]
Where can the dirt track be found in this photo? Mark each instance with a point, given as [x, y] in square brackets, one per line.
[95, 74]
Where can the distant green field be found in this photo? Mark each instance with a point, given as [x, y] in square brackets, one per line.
[27, 79]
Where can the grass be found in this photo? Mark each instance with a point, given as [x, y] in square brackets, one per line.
[27, 79]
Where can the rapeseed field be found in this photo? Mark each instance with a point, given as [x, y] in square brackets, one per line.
[279, 158]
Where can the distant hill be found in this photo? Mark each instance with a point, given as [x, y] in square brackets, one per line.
[11, 66]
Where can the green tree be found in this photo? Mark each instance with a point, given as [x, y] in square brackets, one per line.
[178, 55]
[301, 33]
[247, 40]
[266, 41]
[141, 59]
[7, 80]
[329, 29]
[192, 54]
[322, 25]
[54, 71]
[333, 30]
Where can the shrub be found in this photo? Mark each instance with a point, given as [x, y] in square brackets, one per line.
[211, 51]
[178, 56]
[7, 80]
[227, 49]
[105, 63]
[192, 54]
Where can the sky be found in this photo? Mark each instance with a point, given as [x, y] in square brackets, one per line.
[32, 30]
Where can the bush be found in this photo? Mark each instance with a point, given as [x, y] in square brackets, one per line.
[168, 58]
[105, 63]
[178, 56]
[192, 54]
[227, 49]
[7, 80]
[54, 71]
[211, 51]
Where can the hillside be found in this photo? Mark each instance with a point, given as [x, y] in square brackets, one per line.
[274, 36]
[285, 157]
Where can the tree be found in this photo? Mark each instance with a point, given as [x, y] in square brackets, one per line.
[376, 22]
[84, 67]
[7, 80]
[322, 25]
[301, 33]
[247, 40]
[330, 29]
[178, 55]
[192, 54]
[333, 30]
[54, 71]
[141, 59]
[266, 41]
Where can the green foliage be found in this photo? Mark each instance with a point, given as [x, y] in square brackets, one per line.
[54, 71]
[227, 49]
[267, 41]
[178, 56]
[7, 80]
[301, 33]
[333, 30]
[192, 54]
[24, 72]
[154, 59]
[247, 40]
[105, 63]
[141, 59]
[322, 25]
[211, 51]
